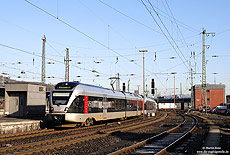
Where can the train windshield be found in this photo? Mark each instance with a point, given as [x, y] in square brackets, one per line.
[60, 98]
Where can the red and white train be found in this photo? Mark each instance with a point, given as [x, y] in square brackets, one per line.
[84, 104]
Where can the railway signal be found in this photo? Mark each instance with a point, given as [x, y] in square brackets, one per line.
[153, 87]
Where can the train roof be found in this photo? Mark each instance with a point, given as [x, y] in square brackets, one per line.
[133, 96]
[71, 85]
[95, 90]
[90, 90]
[149, 99]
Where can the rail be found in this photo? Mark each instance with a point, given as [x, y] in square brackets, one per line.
[156, 137]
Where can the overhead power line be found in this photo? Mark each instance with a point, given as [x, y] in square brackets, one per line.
[164, 33]
[167, 30]
[98, 42]
[181, 23]
[177, 26]
[129, 17]
[72, 27]
[31, 53]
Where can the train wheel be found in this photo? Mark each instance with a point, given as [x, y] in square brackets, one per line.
[89, 122]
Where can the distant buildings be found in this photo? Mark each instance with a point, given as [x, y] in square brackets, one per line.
[215, 95]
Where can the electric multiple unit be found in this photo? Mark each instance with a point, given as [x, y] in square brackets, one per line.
[84, 104]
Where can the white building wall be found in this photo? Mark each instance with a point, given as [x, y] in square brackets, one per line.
[166, 105]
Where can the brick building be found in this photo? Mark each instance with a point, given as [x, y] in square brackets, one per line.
[215, 95]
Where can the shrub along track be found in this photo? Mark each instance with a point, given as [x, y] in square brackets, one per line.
[21, 142]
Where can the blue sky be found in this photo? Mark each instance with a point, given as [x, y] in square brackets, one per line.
[111, 33]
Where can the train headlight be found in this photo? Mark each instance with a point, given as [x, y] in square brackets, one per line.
[52, 109]
[66, 109]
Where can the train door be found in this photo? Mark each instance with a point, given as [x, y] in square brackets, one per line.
[105, 107]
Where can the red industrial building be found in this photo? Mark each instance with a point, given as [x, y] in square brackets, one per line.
[215, 95]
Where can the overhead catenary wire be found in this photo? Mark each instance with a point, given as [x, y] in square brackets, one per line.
[181, 23]
[72, 27]
[129, 17]
[55, 49]
[177, 26]
[168, 32]
[109, 26]
[31, 53]
[164, 33]
[89, 37]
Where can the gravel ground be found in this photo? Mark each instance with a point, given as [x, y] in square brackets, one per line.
[224, 123]
[117, 140]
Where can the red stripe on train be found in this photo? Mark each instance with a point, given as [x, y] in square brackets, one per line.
[86, 105]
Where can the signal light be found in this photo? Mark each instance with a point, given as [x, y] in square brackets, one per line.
[123, 87]
[153, 91]
[152, 84]
[153, 87]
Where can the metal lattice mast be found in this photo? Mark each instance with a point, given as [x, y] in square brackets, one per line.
[67, 60]
[43, 76]
[204, 84]
[192, 96]
[118, 82]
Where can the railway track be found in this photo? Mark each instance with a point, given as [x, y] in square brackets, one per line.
[32, 134]
[164, 141]
[44, 145]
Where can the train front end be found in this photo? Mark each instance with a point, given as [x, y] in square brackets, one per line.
[59, 98]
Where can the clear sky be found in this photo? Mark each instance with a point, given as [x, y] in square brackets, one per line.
[106, 36]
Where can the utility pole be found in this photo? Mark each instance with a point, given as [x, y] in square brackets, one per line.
[204, 84]
[118, 82]
[3, 81]
[192, 97]
[67, 60]
[146, 90]
[43, 76]
[138, 89]
[174, 91]
[128, 84]
[143, 51]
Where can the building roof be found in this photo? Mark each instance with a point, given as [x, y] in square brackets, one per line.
[7, 80]
[211, 86]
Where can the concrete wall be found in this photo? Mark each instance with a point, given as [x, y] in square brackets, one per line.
[34, 103]
[20, 126]
[36, 95]
[16, 87]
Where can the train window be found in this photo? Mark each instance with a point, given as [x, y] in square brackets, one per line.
[139, 105]
[77, 106]
[131, 105]
[149, 105]
[111, 105]
[95, 104]
[60, 100]
[115, 105]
